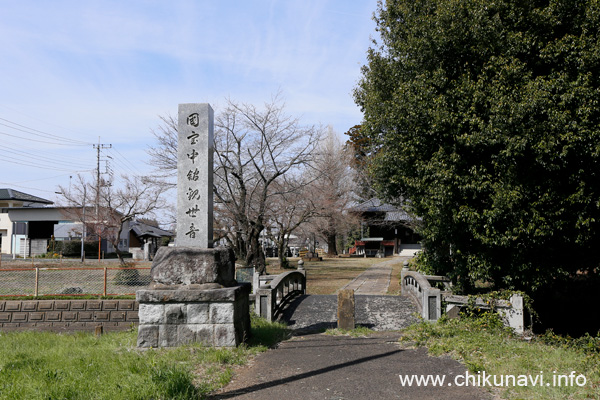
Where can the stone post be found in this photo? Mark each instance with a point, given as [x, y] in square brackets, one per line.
[345, 312]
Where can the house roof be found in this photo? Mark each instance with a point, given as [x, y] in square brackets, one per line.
[11, 194]
[140, 229]
[374, 205]
[392, 213]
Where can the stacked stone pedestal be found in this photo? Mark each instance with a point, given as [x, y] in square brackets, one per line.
[193, 298]
[214, 317]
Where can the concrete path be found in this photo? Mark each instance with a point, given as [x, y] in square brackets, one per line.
[376, 279]
[339, 367]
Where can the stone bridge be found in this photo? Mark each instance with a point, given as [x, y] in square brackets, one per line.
[284, 297]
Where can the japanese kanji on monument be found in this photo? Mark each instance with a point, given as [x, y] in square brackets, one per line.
[195, 176]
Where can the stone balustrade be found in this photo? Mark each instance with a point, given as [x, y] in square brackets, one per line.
[274, 292]
[510, 310]
[429, 300]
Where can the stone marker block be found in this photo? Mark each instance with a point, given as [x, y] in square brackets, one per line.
[168, 335]
[185, 335]
[198, 313]
[221, 313]
[174, 314]
[224, 335]
[152, 314]
[345, 312]
[192, 266]
[195, 147]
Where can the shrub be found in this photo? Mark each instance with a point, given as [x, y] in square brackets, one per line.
[131, 277]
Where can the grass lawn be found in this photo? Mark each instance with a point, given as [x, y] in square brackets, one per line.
[43, 365]
[329, 275]
[483, 345]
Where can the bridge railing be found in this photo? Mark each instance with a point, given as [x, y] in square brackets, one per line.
[510, 310]
[429, 299]
[274, 291]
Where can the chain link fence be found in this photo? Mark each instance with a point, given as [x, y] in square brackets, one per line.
[44, 281]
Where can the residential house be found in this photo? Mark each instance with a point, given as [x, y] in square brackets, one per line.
[28, 223]
[145, 239]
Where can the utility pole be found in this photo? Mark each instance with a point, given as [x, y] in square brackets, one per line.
[99, 147]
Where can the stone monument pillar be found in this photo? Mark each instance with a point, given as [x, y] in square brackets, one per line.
[193, 296]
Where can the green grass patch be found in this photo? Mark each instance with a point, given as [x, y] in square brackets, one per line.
[359, 331]
[44, 365]
[483, 344]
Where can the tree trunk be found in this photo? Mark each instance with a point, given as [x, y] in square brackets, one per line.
[331, 243]
[281, 247]
[255, 256]
[116, 245]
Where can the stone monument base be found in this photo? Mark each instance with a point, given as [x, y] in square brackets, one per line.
[215, 317]
[187, 266]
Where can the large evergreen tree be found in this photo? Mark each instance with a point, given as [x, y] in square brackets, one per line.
[485, 113]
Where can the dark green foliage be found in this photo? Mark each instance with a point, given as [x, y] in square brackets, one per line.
[72, 248]
[124, 254]
[486, 115]
[131, 277]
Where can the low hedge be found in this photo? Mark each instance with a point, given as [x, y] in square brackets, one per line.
[72, 248]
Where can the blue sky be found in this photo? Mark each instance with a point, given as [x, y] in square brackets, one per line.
[80, 70]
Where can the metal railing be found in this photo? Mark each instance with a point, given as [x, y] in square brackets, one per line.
[45, 281]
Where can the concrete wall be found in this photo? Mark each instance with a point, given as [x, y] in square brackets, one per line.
[67, 315]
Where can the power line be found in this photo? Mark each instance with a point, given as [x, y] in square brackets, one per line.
[43, 158]
[40, 120]
[122, 165]
[27, 187]
[39, 179]
[128, 162]
[14, 160]
[40, 133]
[43, 141]
[44, 149]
